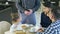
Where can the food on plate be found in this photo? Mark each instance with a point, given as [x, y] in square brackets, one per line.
[24, 26]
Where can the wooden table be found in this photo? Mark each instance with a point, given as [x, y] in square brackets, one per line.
[27, 31]
[8, 32]
[20, 32]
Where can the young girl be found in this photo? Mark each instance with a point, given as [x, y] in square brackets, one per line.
[45, 20]
[16, 23]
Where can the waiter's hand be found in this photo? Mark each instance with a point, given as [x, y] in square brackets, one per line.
[28, 12]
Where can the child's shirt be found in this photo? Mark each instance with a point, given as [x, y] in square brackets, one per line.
[15, 27]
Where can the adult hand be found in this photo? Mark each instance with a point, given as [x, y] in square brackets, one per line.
[30, 11]
[26, 12]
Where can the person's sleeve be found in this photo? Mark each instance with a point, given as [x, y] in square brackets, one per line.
[19, 7]
[49, 30]
[12, 28]
[37, 5]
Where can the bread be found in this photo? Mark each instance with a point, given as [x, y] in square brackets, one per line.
[24, 26]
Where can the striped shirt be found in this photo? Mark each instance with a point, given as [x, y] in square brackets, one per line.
[54, 28]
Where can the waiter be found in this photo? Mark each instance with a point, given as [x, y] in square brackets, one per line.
[27, 9]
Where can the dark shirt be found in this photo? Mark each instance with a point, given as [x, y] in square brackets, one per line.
[45, 20]
[28, 4]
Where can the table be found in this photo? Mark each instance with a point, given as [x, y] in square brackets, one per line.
[8, 32]
[20, 32]
[26, 30]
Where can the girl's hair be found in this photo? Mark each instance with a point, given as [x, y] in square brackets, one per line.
[47, 4]
[15, 17]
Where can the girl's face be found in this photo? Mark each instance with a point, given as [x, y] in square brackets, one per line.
[18, 20]
[46, 9]
[50, 15]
